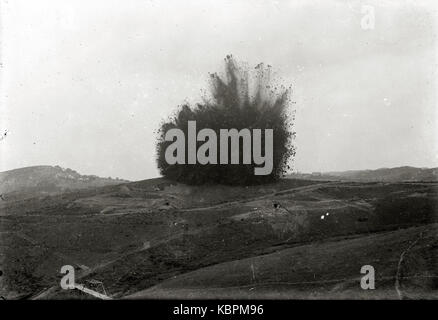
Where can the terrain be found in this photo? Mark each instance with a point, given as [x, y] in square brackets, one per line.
[296, 238]
[45, 180]
[399, 174]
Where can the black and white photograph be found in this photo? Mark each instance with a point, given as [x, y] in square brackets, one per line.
[245, 150]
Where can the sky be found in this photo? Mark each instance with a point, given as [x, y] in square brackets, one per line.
[85, 84]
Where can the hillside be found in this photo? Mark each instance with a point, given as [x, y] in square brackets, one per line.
[157, 238]
[48, 180]
[324, 270]
[384, 175]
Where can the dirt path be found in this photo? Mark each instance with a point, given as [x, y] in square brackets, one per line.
[399, 276]
[265, 196]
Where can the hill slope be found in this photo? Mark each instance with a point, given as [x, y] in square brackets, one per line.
[384, 175]
[48, 179]
[136, 237]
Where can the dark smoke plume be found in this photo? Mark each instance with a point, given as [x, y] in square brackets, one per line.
[241, 99]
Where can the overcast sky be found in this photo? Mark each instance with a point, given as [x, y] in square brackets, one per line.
[84, 84]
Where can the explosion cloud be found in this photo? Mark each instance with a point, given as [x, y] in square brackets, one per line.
[241, 99]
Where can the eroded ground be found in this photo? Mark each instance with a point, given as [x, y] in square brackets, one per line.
[293, 239]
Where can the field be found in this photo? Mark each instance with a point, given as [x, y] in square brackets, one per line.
[292, 239]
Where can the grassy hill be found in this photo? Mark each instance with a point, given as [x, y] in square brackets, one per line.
[40, 180]
[156, 238]
[398, 174]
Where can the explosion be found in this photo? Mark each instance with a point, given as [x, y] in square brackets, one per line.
[242, 99]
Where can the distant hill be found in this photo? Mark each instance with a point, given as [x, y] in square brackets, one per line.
[161, 239]
[398, 174]
[49, 179]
